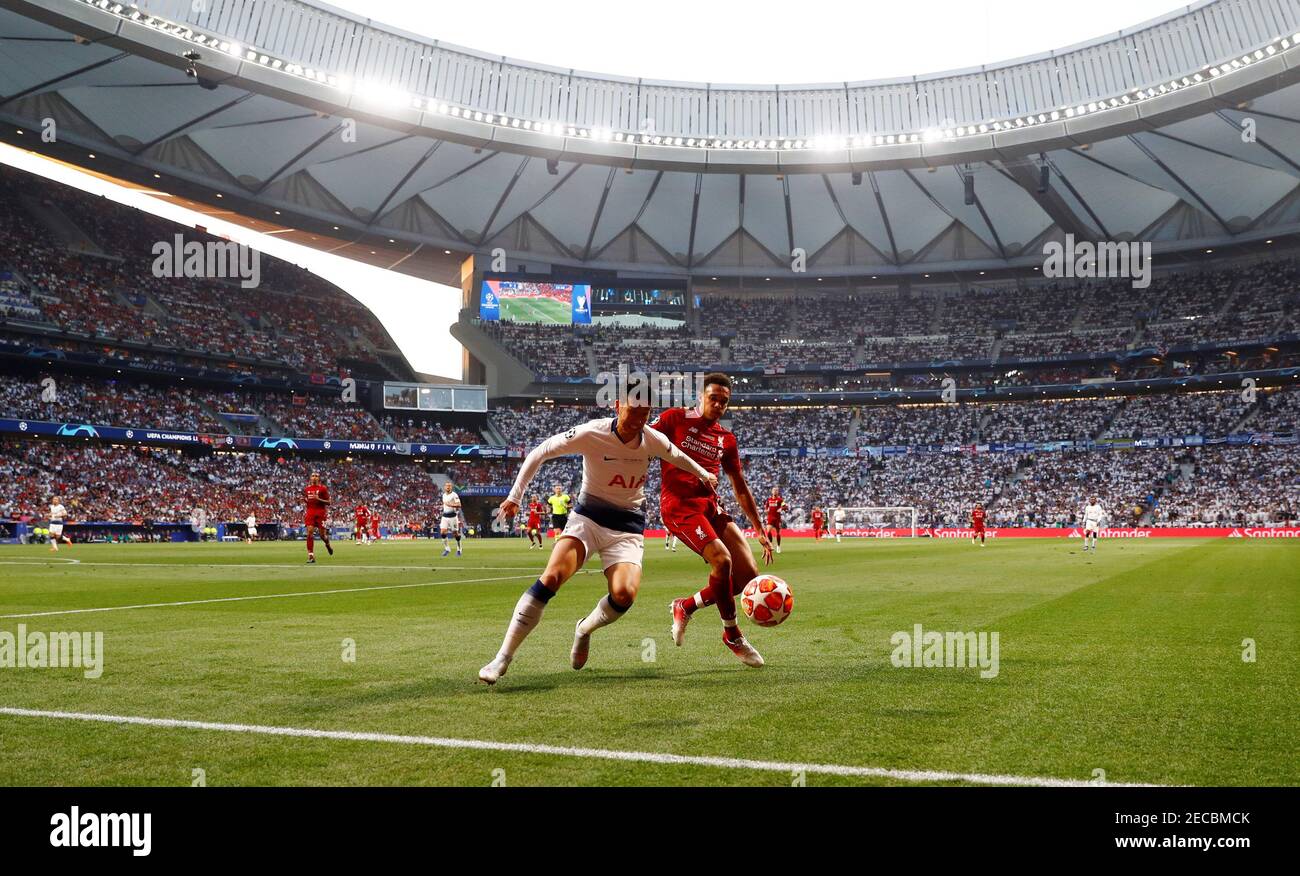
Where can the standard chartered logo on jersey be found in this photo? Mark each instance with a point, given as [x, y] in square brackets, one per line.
[654, 389]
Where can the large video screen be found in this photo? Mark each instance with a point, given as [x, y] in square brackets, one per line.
[541, 303]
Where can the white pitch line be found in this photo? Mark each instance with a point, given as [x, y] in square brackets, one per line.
[731, 763]
[262, 596]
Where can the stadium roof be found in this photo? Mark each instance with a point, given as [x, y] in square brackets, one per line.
[1184, 131]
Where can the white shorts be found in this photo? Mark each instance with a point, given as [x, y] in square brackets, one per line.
[252, 532]
[56, 529]
[839, 524]
[1091, 530]
[612, 545]
[449, 524]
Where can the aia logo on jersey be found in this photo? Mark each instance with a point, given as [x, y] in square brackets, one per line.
[632, 483]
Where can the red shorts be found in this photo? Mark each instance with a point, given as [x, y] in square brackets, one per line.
[695, 524]
[978, 527]
[534, 522]
[774, 523]
[314, 519]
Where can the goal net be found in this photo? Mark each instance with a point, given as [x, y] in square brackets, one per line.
[895, 521]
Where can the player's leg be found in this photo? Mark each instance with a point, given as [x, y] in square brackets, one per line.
[624, 580]
[311, 543]
[566, 558]
[456, 534]
[325, 537]
[777, 530]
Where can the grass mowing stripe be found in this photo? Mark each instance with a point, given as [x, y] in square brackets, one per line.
[261, 596]
[565, 751]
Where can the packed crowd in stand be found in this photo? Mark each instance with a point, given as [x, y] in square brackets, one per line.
[105, 402]
[292, 316]
[881, 327]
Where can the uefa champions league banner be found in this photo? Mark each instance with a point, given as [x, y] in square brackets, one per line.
[581, 308]
[164, 438]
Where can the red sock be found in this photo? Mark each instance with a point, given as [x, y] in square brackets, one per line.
[311, 541]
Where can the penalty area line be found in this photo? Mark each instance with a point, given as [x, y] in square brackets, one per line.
[651, 757]
[260, 596]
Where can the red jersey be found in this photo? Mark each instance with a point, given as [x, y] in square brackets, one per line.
[535, 512]
[317, 497]
[774, 505]
[362, 512]
[818, 518]
[374, 524]
[709, 444]
[977, 518]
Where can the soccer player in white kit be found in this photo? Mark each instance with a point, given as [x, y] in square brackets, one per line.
[1093, 515]
[450, 522]
[57, 515]
[609, 519]
[250, 522]
[839, 515]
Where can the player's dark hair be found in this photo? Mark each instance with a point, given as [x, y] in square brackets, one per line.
[718, 378]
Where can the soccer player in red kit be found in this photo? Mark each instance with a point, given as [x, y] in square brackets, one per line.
[374, 526]
[535, 511]
[774, 505]
[690, 511]
[977, 524]
[362, 514]
[317, 497]
[819, 523]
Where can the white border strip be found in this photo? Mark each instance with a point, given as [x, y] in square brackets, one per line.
[264, 596]
[927, 776]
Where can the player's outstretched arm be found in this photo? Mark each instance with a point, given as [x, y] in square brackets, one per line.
[555, 446]
[745, 497]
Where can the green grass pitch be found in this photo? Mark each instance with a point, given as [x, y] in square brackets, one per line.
[1129, 660]
[547, 311]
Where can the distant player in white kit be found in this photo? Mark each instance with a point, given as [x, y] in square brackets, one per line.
[609, 519]
[57, 515]
[250, 522]
[450, 522]
[1093, 515]
[839, 515]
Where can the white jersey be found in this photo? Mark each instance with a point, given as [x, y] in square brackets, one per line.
[1093, 515]
[58, 513]
[450, 504]
[839, 515]
[251, 521]
[613, 473]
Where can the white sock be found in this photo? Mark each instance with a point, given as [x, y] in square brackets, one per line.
[604, 614]
[528, 614]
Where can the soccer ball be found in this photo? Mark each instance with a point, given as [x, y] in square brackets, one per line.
[767, 600]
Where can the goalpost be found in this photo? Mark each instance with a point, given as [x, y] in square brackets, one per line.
[891, 521]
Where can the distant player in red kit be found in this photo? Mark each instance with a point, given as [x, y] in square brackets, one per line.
[362, 514]
[535, 511]
[819, 523]
[977, 524]
[690, 511]
[317, 497]
[374, 526]
[774, 505]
